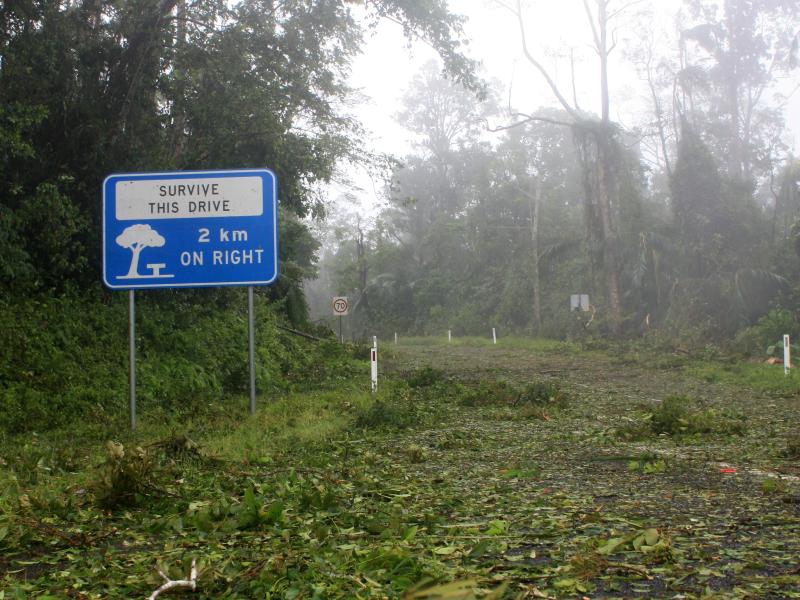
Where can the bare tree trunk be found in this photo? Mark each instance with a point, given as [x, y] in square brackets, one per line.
[603, 52]
[361, 258]
[179, 104]
[610, 241]
[659, 111]
[605, 154]
[534, 202]
[599, 184]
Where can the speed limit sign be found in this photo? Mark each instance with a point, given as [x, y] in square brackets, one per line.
[340, 306]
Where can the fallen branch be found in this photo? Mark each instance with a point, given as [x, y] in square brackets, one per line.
[79, 539]
[177, 584]
[302, 334]
[621, 566]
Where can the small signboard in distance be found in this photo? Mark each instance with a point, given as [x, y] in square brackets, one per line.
[340, 305]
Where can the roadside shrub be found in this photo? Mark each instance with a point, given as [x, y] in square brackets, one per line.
[489, 392]
[24, 409]
[543, 393]
[792, 449]
[672, 416]
[63, 360]
[416, 454]
[124, 478]
[425, 377]
[769, 330]
[395, 411]
[677, 416]
[635, 431]
[537, 412]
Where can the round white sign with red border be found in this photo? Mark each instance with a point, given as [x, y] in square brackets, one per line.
[340, 305]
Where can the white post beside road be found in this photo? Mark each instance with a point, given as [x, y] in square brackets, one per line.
[449, 336]
[395, 337]
[787, 355]
[494, 335]
[373, 356]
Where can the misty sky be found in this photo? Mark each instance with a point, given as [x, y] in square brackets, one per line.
[386, 68]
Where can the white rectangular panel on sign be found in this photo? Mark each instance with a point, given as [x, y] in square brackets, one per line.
[158, 199]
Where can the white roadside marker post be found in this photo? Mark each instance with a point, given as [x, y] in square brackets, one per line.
[494, 335]
[787, 355]
[373, 355]
[449, 336]
[395, 337]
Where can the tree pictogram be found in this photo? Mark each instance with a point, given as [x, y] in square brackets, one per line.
[136, 238]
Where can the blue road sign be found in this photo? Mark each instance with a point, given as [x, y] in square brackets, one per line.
[190, 229]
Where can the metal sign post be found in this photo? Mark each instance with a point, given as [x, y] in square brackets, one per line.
[341, 307]
[190, 229]
[132, 355]
[251, 331]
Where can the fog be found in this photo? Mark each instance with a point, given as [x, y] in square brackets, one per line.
[673, 212]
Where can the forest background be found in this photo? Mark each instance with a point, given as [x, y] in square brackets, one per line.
[680, 229]
[670, 203]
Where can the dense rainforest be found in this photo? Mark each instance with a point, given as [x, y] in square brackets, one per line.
[680, 225]
[94, 87]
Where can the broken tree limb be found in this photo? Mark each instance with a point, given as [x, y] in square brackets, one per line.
[308, 336]
[177, 584]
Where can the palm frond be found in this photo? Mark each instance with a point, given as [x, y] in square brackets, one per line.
[560, 250]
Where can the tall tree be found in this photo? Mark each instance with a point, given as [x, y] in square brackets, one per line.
[599, 147]
[732, 55]
[181, 84]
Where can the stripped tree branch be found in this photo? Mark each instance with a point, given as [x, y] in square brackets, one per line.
[525, 119]
[177, 584]
[531, 59]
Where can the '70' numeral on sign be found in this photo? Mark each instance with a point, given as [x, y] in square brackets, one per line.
[225, 235]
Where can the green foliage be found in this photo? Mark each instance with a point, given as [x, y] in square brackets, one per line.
[65, 359]
[522, 471]
[648, 464]
[654, 544]
[397, 409]
[426, 377]
[125, 477]
[292, 502]
[489, 392]
[416, 454]
[543, 393]
[679, 415]
[792, 448]
[769, 329]
[773, 486]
